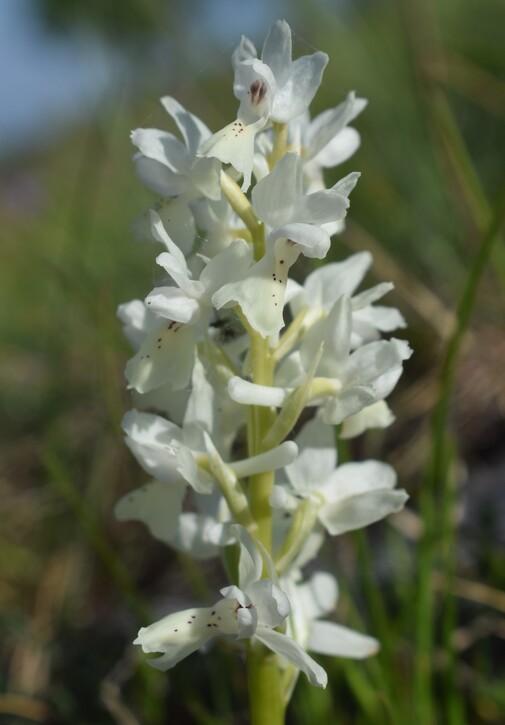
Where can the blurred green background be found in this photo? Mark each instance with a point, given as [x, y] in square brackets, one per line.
[75, 585]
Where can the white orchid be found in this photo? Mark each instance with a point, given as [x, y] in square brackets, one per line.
[315, 598]
[200, 533]
[294, 220]
[187, 301]
[347, 382]
[274, 88]
[296, 82]
[170, 167]
[167, 351]
[177, 217]
[234, 144]
[218, 225]
[346, 497]
[253, 609]
[325, 285]
[171, 454]
[326, 140]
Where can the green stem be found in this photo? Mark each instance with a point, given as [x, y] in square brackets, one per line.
[280, 143]
[266, 690]
[260, 485]
[265, 686]
[243, 208]
[301, 528]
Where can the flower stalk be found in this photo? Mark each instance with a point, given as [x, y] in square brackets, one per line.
[238, 437]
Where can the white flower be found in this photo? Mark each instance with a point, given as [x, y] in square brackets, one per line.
[296, 82]
[137, 321]
[279, 199]
[164, 451]
[295, 220]
[190, 298]
[177, 217]
[166, 355]
[218, 225]
[172, 168]
[326, 140]
[250, 610]
[315, 598]
[347, 497]
[172, 454]
[377, 415]
[360, 378]
[254, 86]
[234, 144]
[274, 88]
[325, 285]
[200, 533]
[167, 352]
[348, 381]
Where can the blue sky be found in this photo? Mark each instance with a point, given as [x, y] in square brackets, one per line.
[45, 82]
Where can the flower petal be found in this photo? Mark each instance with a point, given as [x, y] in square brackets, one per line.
[247, 393]
[174, 258]
[313, 241]
[352, 479]
[318, 595]
[335, 332]
[317, 457]
[339, 149]
[173, 304]
[379, 364]
[277, 48]
[270, 602]
[349, 402]
[328, 638]
[192, 129]
[200, 536]
[293, 653]
[250, 563]
[295, 95]
[234, 145]
[177, 219]
[166, 355]
[157, 445]
[157, 505]
[362, 510]
[274, 197]
[158, 177]
[232, 263]
[244, 50]
[320, 207]
[162, 147]
[176, 635]
[330, 124]
[327, 283]
[137, 321]
[298, 81]
[271, 460]
[266, 281]
[377, 415]
[206, 179]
